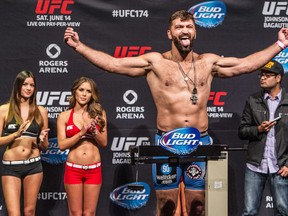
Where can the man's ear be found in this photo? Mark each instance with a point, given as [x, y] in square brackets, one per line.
[195, 35]
[169, 34]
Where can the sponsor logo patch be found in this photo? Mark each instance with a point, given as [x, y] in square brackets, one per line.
[194, 171]
[181, 141]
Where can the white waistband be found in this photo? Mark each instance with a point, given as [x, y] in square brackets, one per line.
[17, 162]
[84, 167]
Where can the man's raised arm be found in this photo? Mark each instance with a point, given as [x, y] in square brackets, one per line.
[230, 66]
[130, 66]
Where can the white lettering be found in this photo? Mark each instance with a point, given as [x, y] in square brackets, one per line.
[123, 144]
[48, 98]
[275, 8]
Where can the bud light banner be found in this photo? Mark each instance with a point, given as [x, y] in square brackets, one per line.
[282, 58]
[209, 14]
[53, 155]
[131, 196]
[181, 141]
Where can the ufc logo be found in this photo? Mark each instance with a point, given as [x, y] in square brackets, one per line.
[50, 6]
[49, 97]
[129, 51]
[215, 97]
[123, 143]
[275, 8]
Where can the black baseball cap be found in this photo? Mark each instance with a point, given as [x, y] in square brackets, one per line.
[273, 67]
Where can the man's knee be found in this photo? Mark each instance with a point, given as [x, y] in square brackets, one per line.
[168, 209]
[197, 208]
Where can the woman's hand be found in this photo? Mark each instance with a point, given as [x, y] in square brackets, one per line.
[44, 134]
[94, 129]
[21, 129]
[90, 124]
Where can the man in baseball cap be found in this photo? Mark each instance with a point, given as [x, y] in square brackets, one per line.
[267, 158]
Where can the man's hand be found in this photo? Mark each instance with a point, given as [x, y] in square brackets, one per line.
[283, 171]
[71, 37]
[283, 36]
[266, 126]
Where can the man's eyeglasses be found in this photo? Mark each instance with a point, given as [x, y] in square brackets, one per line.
[266, 75]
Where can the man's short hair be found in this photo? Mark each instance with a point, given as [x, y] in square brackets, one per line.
[182, 14]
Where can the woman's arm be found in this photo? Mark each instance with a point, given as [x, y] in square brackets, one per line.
[43, 136]
[11, 137]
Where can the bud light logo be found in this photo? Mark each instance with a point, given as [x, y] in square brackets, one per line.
[181, 141]
[131, 196]
[209, 14]
[282, 58]
[53, 155]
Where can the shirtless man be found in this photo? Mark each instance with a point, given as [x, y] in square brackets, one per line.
[172, 77]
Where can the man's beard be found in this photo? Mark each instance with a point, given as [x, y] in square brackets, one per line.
[180, 47]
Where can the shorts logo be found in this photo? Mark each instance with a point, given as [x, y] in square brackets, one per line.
[165, 169]
[194, 171]
[181, 141]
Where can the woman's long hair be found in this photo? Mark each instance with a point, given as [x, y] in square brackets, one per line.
[94, 108]
[15, 100]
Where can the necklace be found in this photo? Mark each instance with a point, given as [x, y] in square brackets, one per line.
[194, 96]
[185, 75]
